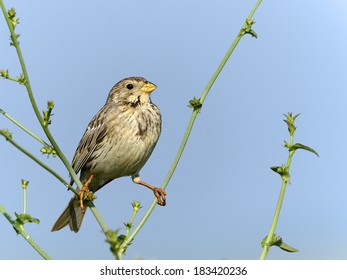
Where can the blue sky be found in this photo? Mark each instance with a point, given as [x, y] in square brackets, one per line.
[222, 197]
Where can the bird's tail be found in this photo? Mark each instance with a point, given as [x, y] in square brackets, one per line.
[72, 216]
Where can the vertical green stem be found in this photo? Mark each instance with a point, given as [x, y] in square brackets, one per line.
[24, 200]
[41, 120]
[269, 238]
[32, 99]
[190, 125]
[136, 207]
[267, 244]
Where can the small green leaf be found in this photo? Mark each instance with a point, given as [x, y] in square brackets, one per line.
[290, 120]
[48, 114]
[48, 150]
[248, 29]
[283, 172]
[286, 247]
[252, 32]
[195, 103]
[136, 206]
[21, 79]
[89, 196]
[303, 147]
[271, 242]
[6, 134]
[23, 219]
[128, 226]
[50, 104]
[263, 242]
[4, 74]
[115, 241]
[14, 38]
[25, 184]
[276, 240]
[11, 12]
[12, 16]
[26, 218]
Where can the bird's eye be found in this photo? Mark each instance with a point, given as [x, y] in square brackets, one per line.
[130, 86]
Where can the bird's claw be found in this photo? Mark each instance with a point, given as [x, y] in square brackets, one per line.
[85, 193]
[160, 194]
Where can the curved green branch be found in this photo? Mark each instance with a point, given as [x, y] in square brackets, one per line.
[24, 80]
[20, 229]
[196, 104]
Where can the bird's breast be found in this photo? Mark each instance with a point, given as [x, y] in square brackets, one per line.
[131, 139]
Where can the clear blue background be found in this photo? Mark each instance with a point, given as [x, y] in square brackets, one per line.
[222, 197]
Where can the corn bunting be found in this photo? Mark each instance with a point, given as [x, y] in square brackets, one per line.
[117, 142]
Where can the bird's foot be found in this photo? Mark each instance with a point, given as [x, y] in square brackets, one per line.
[85, 193]
[160, 194]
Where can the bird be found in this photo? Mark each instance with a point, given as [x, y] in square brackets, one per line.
[118, 141]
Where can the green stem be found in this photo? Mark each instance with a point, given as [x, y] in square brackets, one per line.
[267, 244]
[32, 99]
[189, 127]
[135, 211]
[22, 232]
[275, 219]
[44, 166]
[61, 179]
[128, 228]
[23, 128]
[40, 119]
[164, 185]
[98, 218]
[24, 200]
[228, 54]
[12, 79]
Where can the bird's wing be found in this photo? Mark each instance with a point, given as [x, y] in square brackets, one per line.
[93, 135]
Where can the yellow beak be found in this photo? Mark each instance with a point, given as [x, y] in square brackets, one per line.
[148, 87]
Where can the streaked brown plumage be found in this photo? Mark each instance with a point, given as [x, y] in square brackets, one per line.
[117, 142]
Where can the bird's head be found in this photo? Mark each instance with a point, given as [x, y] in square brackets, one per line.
[132, 91]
